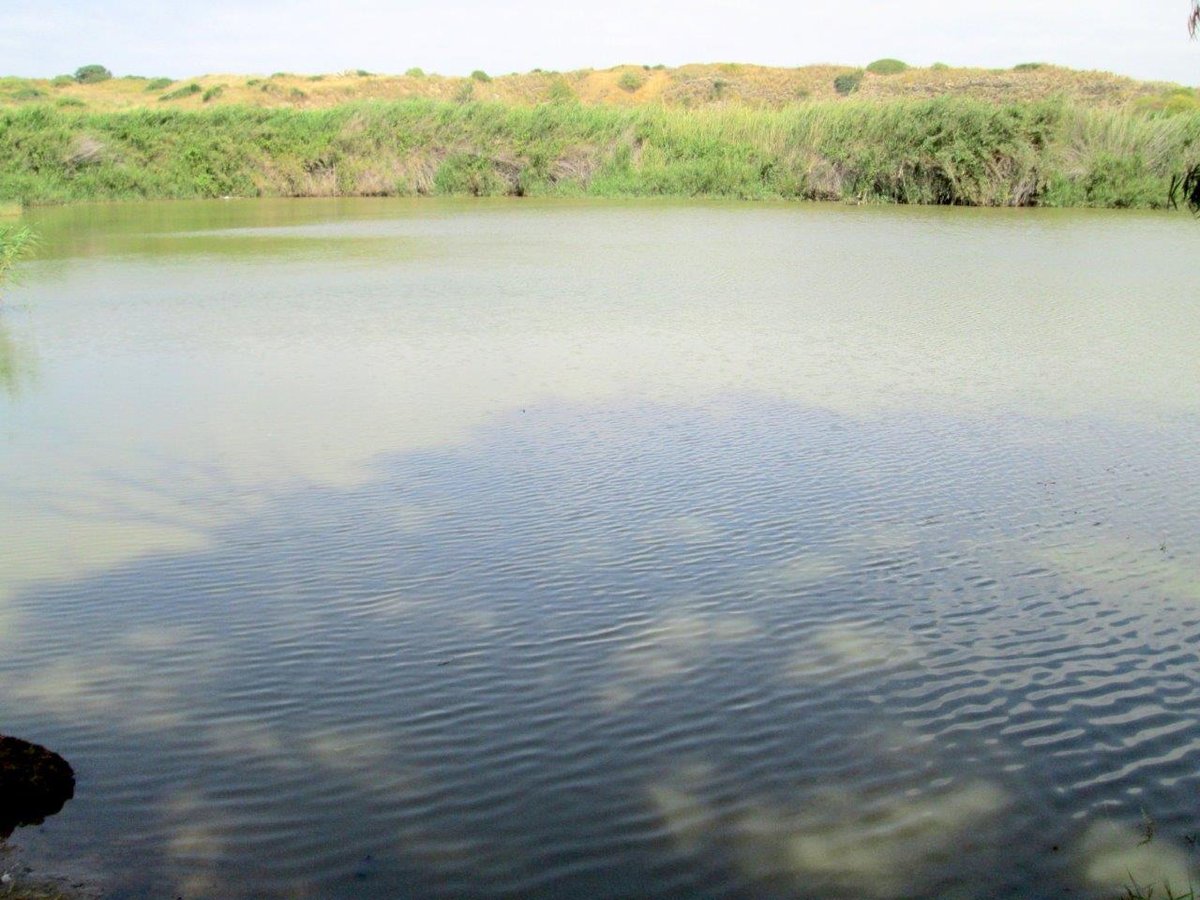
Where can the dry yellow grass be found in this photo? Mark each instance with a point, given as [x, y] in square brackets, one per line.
[689, 85]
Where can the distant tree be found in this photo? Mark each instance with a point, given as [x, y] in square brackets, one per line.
[91, 74]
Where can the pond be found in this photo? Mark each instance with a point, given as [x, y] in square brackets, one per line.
[424, 548]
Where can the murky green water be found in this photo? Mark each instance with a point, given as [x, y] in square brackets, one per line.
[389, 548]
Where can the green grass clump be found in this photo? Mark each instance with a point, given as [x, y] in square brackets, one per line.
[415, 72]
[28, 93]
[363, 73]
[62, 81]
[480, 75]
[560, 91]
[69, 102]
[188, 90]
[213, 93]
[847, 83]
[887, 67]
[630, 82]
[1029, 66]
[939, 67]
[157, 84]
[16, 241]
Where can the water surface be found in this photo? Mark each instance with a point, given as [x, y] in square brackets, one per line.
[391, 548]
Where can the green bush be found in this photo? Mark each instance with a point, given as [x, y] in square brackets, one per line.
[362, 73]
[69, 101]
[1029, 67]
[560, 91]
[847, 83]
[468, 173]
[316, 77]
[630, 81]
[480, 75]
[939, 67]
[29, 93]
[213, 93]
[157, 84]
[62, 80]
[887, 67]
[296, 94]
[187, 90]
[92, 74]
[415, 72]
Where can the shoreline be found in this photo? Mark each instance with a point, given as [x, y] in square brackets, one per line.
[944, 151]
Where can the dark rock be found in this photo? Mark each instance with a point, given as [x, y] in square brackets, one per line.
[34, 784]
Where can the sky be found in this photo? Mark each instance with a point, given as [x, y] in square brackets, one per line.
[454, 37]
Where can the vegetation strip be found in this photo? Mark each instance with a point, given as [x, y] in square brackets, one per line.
[949, 150]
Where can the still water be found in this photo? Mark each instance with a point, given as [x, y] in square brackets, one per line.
[480, 549]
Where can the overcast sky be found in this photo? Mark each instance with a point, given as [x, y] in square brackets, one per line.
[453, 37]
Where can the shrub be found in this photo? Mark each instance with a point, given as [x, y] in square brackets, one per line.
[69, 101]
[465, 93]
[186, 91]
[363, 73]
[297, 94]
[847, 83]
[560, 91]
[939, 67]
[887, 67]
[29, 93]
[62, 80]
[630, 81]
[157, 84]
[480, 75]
[316, 77]
[213, 93]
[91, 74]
[415, 72]
[1029, 67]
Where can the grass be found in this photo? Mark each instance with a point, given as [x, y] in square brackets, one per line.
[943, 151]
[16, 241]
[682, 86]
[187, 90]
[1135, 891]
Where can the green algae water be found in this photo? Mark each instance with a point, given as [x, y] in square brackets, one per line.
[494, 548]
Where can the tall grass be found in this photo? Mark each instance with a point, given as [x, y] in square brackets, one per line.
[15, 242]
[944, 151]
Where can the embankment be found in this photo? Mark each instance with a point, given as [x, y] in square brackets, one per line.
[940, 151]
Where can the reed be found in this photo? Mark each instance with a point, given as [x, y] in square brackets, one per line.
[15, 242]
[941, 151]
